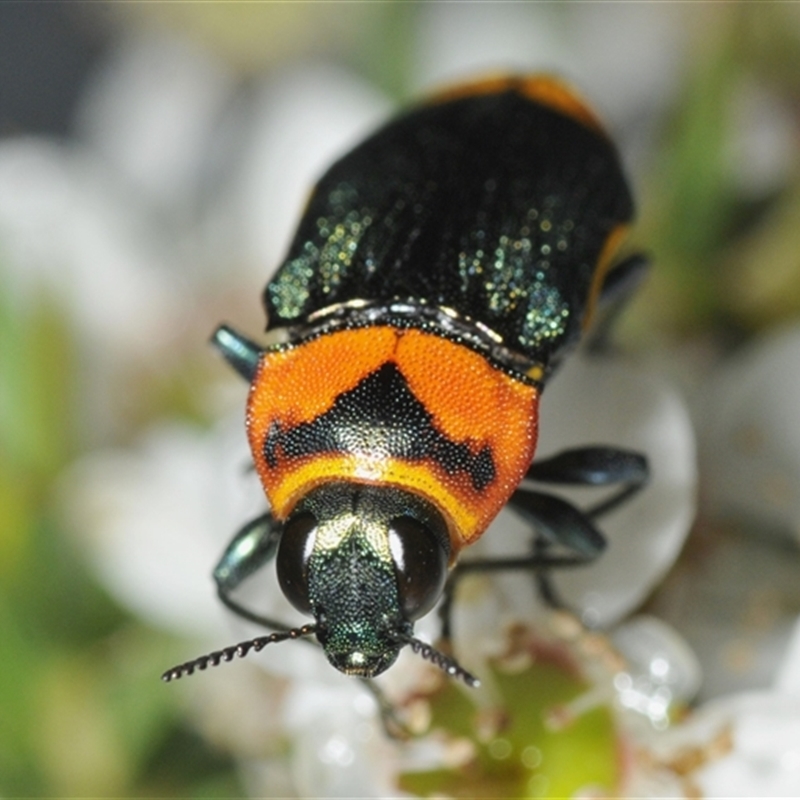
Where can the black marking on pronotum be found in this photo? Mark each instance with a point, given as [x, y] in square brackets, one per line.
[380, 417]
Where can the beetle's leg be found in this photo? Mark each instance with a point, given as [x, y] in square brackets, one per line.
[239, 351]
[544, 584]
[558, 522]
[623, 278]
[540, 562]
[619, 285]
[393, 726]
[584, 466]
[594, 466]
[253, 546]
[590, 466]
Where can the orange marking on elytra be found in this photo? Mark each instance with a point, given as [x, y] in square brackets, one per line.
[548, 90]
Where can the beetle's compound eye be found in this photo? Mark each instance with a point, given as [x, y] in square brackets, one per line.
[420, 563]
[294, 553]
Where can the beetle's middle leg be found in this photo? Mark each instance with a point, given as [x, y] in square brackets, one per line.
[557, 523]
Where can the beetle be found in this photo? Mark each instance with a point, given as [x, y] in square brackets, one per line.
[439, 275]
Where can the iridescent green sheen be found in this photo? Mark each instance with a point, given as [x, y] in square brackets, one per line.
[352, 573]
[493, 205]
[355, 591]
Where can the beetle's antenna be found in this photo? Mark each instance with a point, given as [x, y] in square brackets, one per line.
[437, 657]
[242, 649]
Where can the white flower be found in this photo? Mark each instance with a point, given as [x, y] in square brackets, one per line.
[97, 225]
[614, 401]
[67, 231]
[744, 744]
[751, 438]
[155, 520]
[626, 58]
[764, 756]
[153, 113]
[301, 120]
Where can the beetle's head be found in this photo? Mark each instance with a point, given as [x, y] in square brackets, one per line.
[365, 561]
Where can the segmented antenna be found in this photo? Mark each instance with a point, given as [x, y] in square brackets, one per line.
[242, 649]
[439, 659]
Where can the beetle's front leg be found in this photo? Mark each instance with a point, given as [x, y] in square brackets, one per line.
[540, 562]
[250, 549]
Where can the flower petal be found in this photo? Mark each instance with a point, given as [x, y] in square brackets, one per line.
[610, 401]
[155, 520]
[751, 440]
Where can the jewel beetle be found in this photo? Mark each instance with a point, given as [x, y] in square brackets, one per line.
[440, 273]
